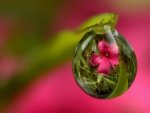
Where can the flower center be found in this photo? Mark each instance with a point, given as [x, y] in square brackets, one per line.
[106, 54]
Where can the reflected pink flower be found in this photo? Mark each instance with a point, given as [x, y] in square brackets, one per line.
[109, 53]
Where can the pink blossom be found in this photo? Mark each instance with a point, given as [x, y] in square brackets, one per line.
[109, 53]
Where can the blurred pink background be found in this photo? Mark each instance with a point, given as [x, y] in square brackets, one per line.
[55, 90]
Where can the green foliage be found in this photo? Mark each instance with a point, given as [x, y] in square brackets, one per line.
[98, 22]
[122, 84]
[41, 56]
[55, 51]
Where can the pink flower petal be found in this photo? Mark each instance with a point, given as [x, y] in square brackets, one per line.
[95, 59]
[114, 61]
[113, 48]
[114, 55]
[104, 67]
[103, 46]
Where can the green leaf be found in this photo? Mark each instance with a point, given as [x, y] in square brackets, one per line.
[47, 55]
[55, 51]
[122, 84]
[103, 19]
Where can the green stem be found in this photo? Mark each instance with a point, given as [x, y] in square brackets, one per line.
[109, 81]
[84, 62]
[99, 78]
[90, 82]
[88, 71]
[95, 48]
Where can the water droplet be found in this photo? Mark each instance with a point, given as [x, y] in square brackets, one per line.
[104, 64]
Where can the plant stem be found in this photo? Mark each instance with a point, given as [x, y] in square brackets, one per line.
[99, 78]
[109, 81]
[90, 82]
[84, 62]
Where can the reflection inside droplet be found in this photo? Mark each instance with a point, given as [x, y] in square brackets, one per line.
[104, 65]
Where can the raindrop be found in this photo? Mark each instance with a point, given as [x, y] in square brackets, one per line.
[104, 64]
